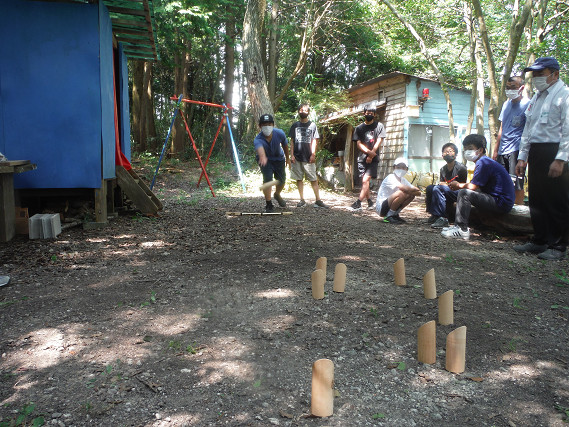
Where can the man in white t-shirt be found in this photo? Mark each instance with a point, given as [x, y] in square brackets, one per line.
[395, 193]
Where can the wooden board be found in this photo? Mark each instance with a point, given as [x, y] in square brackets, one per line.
[14, 162]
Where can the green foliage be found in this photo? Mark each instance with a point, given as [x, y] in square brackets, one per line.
[22, 418]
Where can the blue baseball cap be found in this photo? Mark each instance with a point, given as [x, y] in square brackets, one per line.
[543, 62]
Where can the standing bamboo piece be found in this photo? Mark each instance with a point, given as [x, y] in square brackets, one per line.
[446, 308]
[322, 397]
[429, 284]
[399, 272]
[427, 343]
[456, 350]
[318, 279]
[340, 277]
[321, 264]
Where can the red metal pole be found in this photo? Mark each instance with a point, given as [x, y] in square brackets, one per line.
[213, 144]
[191, 101]
[197, 153]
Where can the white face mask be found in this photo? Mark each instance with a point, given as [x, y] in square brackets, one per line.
[540, 83]
[471, 155]
[267, 130]
[399, 173]
[512, 93]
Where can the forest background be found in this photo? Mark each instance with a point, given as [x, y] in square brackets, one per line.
[263, 56]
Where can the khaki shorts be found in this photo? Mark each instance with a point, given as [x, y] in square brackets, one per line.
[300, 169]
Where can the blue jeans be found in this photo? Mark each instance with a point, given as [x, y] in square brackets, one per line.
[442, 194]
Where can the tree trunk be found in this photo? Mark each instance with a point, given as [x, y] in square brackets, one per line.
[431, 62]
[181, 85]
[229, 77]
[137, 90]
[273, 50]
[149, 110]
[477, 99]
[253, 64]
[494, 92]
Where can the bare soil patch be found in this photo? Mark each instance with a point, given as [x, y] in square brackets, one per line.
[195, 318]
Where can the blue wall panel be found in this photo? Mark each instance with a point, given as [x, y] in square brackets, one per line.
[107, 92]
[124, 111]
[50, 93]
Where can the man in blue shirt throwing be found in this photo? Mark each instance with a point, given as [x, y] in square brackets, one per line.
[513, 119]
[271, 146]
[491, 188]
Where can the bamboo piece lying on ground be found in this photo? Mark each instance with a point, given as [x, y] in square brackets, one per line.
[446, 308]
[322, 396]
[340, 277]
[429, 284]
[427, 343]
[399, 272]
[318, 278]
[322, 264]
[257, 213]
[456, 350]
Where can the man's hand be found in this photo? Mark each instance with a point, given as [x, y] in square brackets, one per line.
[263, 159]
[556, 168]
[454, 185]
[521, 167]
[292, 158]
[495, 155]
[312, 158]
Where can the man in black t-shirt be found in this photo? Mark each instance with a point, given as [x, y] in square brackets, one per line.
[369, 137]
[304, 136]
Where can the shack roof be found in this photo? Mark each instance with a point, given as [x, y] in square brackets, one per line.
[133, 26]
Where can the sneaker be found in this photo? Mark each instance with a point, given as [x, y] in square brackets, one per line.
[431, 219]
[392, 220]
[280, 200]
[269, 208]
[301, 203]
[370, 204]
[398, 218]
[320, 204]
[552, 255]
[356, 206]
[441, 222]
[455, 232]
[530, 247]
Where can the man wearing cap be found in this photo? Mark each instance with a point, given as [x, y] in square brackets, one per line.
[272, 156]
[395, 193]
[512, 120]
[491, 188]
[545, 147]
[368, 136]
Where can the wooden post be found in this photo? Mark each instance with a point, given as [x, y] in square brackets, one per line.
[101, 203]
[318, 279]
[429, 284]
[322, 264]
[7, 208]
[456, 350]
[399, 272]
[322, 396]
[349, 160]
[427, 343]
[340, 277]
[446, 308]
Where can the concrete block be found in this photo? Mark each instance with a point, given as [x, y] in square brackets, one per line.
[44, 226]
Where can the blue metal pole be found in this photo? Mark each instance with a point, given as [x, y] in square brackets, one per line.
[234, 151]
[166, 142]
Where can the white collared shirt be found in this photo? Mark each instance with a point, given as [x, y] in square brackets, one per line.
[556, 129]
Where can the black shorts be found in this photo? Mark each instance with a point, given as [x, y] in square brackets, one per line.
[384, 208]
[509, 161]
[276, 169]
[369, 169]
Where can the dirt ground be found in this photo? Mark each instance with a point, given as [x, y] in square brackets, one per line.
[195, 318]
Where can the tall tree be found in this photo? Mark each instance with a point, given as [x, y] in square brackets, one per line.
[229, 74]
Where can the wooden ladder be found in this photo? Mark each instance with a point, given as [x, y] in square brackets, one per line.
[137, 191]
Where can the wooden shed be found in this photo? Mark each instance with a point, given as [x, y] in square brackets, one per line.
[416, 122]
[64, 103]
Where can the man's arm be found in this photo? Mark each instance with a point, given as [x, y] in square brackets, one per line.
[556, 167]
[262, 156]
[460, 185]
[375, 148]
[496, 146]
[313, 145]
[285, 149]
[292, 158]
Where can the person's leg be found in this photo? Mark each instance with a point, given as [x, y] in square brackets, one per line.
[469, 198]
[315, 189]
[267, 172]
[538, 166]
[429, 197]
[300, 186]
[310, 172]
[364, 193]
[510, 161]
[279, 170]
[439, 201]
[297, 174]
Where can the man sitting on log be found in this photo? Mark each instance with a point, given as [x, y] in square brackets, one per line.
[491, 188]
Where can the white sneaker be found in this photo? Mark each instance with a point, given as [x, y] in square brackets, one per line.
[455, 232]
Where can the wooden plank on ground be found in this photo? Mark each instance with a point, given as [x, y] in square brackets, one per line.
[135, 192]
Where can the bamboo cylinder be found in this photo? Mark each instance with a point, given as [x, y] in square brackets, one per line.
[456, 350]
[399, 272]
[322, 396]
[429, 284]
[427, 343]
[446, 308]
[318, 279]
[321, 264]
[340, 277]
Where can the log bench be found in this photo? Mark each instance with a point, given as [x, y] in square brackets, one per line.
[516, 221]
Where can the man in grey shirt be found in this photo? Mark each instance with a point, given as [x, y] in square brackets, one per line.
[545, 147]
